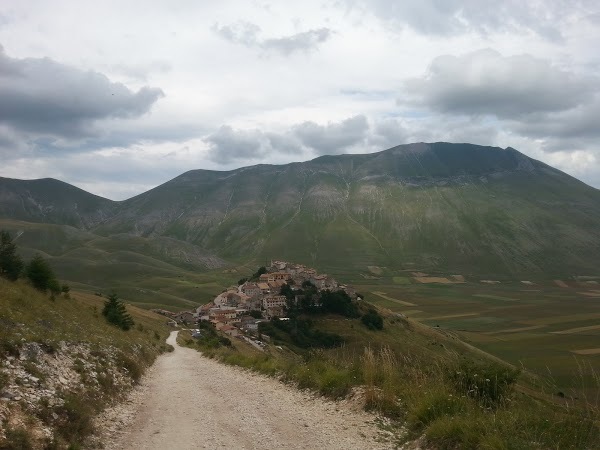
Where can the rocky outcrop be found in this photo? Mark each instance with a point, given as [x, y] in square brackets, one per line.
[52, 392]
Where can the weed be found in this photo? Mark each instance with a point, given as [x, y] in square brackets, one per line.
[75, 417]
[131, 366]
[17, 439]
[489, 383]
[3, 379]
[78, 366]
[31, 368]
[433, 405]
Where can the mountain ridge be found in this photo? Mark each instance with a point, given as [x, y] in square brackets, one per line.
[437, 207]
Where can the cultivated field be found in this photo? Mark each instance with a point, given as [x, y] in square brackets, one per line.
[549, 328]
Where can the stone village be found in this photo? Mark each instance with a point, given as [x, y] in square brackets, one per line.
[238, 310]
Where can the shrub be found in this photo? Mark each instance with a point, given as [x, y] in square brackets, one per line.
[39, 272]
[3, 379]
[75, 417]
[488, 383]
[338, 302]
[434, 405]
[17, 439]
[11, 264]
[300, 332]
[133, 368]
[372, 320]
[115, 312]
[448, 432]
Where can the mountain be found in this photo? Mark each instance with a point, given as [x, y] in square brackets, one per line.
[440, 207]
[52, 201]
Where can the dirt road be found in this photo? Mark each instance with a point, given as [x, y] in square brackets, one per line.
[187, 401]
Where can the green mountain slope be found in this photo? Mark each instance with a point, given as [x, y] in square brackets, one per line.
[457, 208]
[52, 201]
[440, 207]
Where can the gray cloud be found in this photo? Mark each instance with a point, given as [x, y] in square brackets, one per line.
[227, 144]
[482, 16]
[486, 83]
[244, 33]
[334, 137]
[388, 133]
[46, 97]
[577, 127]
[247, 34]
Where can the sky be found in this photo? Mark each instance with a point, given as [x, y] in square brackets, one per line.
[117, 97]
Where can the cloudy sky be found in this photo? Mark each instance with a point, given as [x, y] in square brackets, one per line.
[117, 97]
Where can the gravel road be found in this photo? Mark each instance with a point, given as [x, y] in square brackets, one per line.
[187, 401]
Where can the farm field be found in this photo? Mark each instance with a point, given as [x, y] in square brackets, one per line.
[547, 328]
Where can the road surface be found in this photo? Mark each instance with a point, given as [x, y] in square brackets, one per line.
[187, 401]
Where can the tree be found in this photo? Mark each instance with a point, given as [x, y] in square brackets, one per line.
[255, 313]
[11, 264]
[338, 302]
[372, 320]
[261, 270]
[41, 275]
[115, 312]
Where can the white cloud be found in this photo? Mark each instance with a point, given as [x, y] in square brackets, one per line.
[247, 34]
[288, 87]
[485, 82]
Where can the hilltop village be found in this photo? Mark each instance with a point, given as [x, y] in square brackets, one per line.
[269, 293]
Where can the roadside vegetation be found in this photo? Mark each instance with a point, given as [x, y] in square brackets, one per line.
[439, 390]
[62, 361]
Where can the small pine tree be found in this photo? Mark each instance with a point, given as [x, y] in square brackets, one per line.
[11, 264]
[116, 313]
[41, 275]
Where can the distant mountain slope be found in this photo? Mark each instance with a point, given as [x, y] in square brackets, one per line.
[456, 208]
[448, 207]
[52, 201]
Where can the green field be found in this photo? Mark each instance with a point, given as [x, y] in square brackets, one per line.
[548, 330]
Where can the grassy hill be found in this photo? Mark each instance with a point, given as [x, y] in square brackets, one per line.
[433, 387]
[61, 363]
[437, 207]
[482, 212]
[155, 272]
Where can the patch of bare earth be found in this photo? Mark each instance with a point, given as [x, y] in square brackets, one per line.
[187, 401]
[441, 280]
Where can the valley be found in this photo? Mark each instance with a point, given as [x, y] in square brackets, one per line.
[548, 330]
[469, 253]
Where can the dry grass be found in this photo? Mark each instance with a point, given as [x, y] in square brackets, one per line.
[577, 330]
[587, 351]
[440, 280]
[395, 300]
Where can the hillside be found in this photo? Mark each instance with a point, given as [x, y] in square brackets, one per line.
[451, 208]
[61, 363]
[52, 201]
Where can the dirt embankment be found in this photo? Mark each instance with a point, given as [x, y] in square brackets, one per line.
[187, 401]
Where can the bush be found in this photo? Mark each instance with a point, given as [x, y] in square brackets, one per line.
[133, 368]
[3, 379]
[75, 417]
[300, 332]
[39, 272]
[434, 405]
[338, 302]
[11, 264]
[17, 439]
[372, 320]
[488, 383]
[116, 313]
[448, 432]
